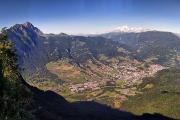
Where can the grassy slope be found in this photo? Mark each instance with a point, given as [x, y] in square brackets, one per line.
[162, 97]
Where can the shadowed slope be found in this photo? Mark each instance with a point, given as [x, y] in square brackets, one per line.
[51, 106]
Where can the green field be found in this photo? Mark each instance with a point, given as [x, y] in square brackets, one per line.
[66, 71]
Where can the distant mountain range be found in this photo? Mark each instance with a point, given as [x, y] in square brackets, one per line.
[35, 48]
[163, 45]
[120, 29]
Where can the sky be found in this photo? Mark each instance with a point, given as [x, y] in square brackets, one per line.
[91, 16]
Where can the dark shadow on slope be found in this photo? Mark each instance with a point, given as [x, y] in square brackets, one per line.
[51, 106]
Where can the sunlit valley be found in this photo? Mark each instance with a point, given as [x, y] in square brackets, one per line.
[127, 73]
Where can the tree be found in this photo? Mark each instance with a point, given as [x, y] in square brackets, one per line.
[13, 94]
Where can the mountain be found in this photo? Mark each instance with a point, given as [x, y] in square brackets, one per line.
[28, 46]
[31, 53]
[127, 29]
[32, 44]
[163, 46]
[36, 49]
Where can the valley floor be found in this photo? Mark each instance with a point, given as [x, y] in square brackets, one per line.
[112, 82]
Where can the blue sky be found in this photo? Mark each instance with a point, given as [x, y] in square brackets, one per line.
[89, 16]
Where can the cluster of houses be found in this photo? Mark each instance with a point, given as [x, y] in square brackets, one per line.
[131, 74]
[84, 86]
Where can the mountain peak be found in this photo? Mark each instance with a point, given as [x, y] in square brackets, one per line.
[63, 34]
[130, 29]
[24, 25]
[27, 26]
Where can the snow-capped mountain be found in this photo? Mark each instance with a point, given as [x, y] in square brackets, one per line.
[120, 29]
[130, 29]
